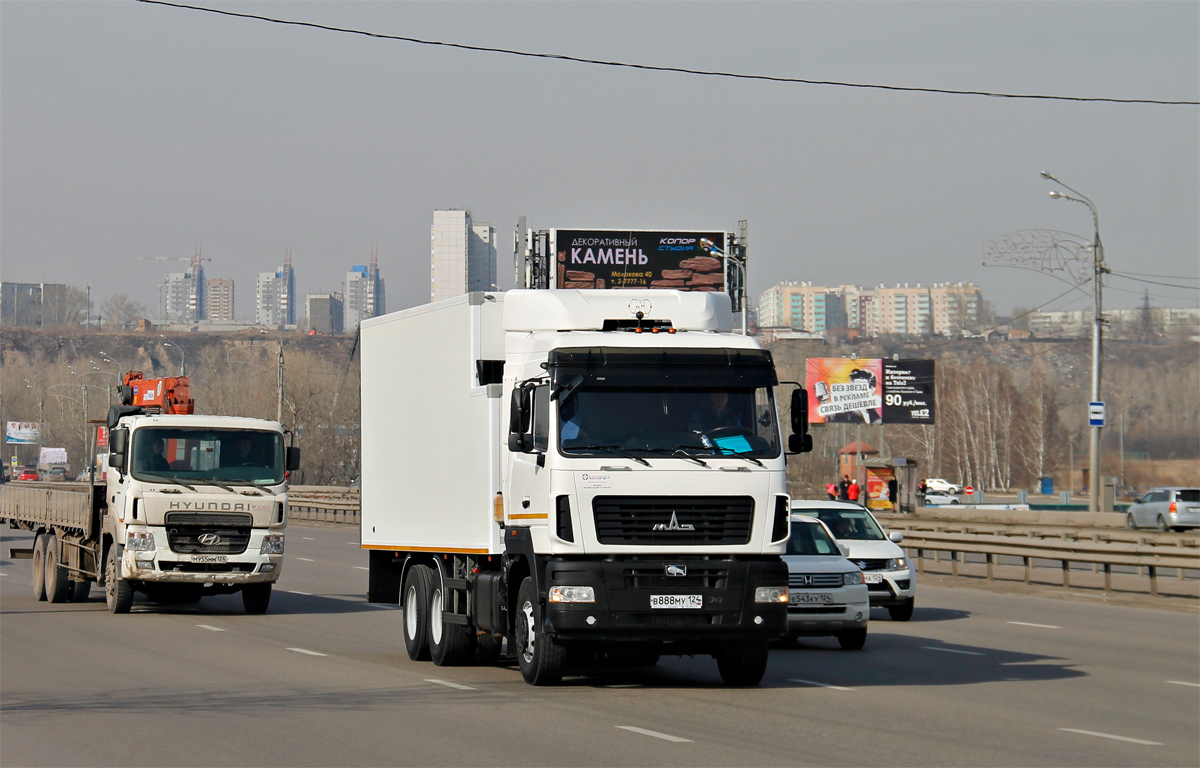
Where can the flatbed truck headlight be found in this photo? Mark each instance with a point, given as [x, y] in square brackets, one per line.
[572, 595]
[771, 594]
[139, 542]
[272, 544]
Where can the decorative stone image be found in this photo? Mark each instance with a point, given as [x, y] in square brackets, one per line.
[637, 259]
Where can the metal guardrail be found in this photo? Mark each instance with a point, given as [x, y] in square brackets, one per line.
[324, 504]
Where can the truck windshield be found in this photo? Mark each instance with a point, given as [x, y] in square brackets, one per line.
[218, 455]
[678, 422]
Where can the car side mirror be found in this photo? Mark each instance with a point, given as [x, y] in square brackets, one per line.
[843, 549]
[896, 537]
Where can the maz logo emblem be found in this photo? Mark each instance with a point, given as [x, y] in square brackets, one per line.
[209, 539]
[640, 305]
[673, 525]
[676, 570]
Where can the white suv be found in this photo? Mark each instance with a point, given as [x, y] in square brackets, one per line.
[891, 579]
[938, 484]
[827, 592]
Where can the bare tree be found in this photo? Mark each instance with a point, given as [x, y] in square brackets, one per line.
[122, 311]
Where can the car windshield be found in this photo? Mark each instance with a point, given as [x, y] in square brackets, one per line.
[810, 539]
[199, 455]
[669, 421]
[855, 524]
[1188, 494]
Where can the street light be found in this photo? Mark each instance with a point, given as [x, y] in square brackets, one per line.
[1098, 271]
[182, 356]
[713, 250]
[278, 376]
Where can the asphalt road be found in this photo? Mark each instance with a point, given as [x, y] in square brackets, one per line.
[976, 678]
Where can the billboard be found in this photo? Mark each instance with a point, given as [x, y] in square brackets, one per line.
[908, 392]
[869, 391]
[611, 258]
[841, 390]
[23, 432]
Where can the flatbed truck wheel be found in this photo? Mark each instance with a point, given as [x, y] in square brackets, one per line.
[450, 645]
[541, 659]
[743, 663]
[118, 594]
[39, 567]
[416, 613]
[58, 581]
[256, 597]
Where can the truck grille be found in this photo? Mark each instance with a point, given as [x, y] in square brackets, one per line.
[712, 519]
[806, 580]
[186, 532]
[168, 565]
[673, 619]
[655, 576]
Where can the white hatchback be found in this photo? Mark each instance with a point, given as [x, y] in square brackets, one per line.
[827, 592]
[891, 579]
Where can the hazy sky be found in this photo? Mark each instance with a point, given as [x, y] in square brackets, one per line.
[130, 130]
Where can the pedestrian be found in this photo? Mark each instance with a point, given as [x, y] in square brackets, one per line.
[832, 490]
[853, 492]
[922, 489]
[844, 487]
[894, 493]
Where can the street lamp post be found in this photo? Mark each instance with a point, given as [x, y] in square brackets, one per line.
[182, 355]
[278, 376]
[1098, 271]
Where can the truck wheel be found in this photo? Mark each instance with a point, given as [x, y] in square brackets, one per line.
[541, 658]
[487, 649]
[118, 594]
[902, 612]
[852, 639]
[450, 645]
[416, 613]
[80, 591]
[39, 567]
[256, 597]
[57, 578]
[743, 663]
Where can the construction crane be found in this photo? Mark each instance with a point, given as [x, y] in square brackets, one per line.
[194, 259]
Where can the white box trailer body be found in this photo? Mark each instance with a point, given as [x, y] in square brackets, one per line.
[459, 510]
[198, 524]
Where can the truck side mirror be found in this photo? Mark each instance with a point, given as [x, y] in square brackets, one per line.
[800, 410]
[518, 418]
[116, 461]
[118, 440]
[292, 457]
[799, 443]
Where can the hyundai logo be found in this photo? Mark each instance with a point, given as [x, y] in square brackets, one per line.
[674, 525]
[676, 570]
[209, 539]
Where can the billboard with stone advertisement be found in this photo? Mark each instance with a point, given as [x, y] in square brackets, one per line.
[622, 258]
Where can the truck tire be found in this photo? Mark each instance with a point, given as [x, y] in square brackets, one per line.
[118, 594]
[39, 567]
[450, 645]
[57, 579]
[541, 658]
[852, 639]
[902, 612]
[487, 649]
[743, 663]
[256, 597]
[80, 591]
[416, 613]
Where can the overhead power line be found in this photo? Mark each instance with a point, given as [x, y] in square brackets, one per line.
[1126, 276]
[654, 68]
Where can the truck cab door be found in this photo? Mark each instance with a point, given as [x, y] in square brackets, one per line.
[529, 480]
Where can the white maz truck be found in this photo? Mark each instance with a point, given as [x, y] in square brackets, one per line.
[593, 475]
[192, 505]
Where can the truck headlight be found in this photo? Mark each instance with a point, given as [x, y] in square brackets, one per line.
[853, 577]
[897, 564]
[139, 541]
[272, 544]
[572, 595]
[771, 594]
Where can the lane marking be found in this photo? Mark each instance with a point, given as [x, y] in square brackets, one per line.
[1039, 626]
[1111, 736]
[952, 650]
[821, 685]
[1182, 682]
[307, 652]
[298, 592]
[384, 607]
[361, 568]
[210, 628]
[449, 684]
[655, 734]
[308, 538]
[305, 559]
[3, 574]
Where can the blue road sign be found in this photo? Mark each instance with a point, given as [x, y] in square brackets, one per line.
[1096, 414]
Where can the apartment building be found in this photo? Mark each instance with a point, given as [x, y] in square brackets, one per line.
[901, 310]
[462, 254]
[219, 297]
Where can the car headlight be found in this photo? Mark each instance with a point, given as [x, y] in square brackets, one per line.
[572, 595]
[853, 577]
[771, 594]
[272, 544]
[897, 564]
[139, 541]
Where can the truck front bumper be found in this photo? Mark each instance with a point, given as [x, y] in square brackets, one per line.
[722, 590]
[164, 565]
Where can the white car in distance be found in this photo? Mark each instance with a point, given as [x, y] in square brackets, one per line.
[940, 498]
[944, 486]
[827, 592]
